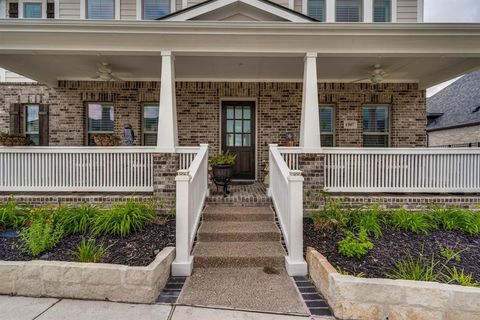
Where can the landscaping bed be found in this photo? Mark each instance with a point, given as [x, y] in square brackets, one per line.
[128, 234]
[441, 244]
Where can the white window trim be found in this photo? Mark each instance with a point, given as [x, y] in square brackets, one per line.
[334, 119]
[83, 9]
[21, 7]
[148, 104]
[3, 9]
[109, 104]
[139, 8]
[388, 133]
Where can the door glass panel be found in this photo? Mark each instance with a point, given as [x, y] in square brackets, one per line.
[230, 140]
[246, 140]
[246, 113]
[229, 125]
[229, 112]
[238, 140]
[246, 126]
[238, 112]
[238, 126]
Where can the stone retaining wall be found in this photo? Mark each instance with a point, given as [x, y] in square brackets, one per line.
[384, 299]
[95, 281]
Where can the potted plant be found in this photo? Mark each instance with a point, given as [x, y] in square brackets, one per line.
[14, 140]
[222, 169]
[106, 140]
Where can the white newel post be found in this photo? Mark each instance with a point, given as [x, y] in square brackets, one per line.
[310, 121]
[294, 262]
[167, 136]
[183, 264]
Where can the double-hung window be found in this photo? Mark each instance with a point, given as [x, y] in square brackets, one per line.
[32, 123]
[349, 11]
[32, 10]
[382, 10]
[150, 124]
[101, 9]
[100, 119]
[153, 9]
[327, 125]
[316, 9]
[376, 126]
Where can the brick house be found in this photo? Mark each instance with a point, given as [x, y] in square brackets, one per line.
[318, 94]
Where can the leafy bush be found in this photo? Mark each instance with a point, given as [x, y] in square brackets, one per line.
[223, 158]
[122, 219]
[355, 245]
[41, 235]
[88, 251]
[410, 221]
[456, 219]
[12, 215]
[368, 220]
[418, 269]
[76, 219]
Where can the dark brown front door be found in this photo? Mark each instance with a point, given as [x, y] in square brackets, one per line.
[238, 136]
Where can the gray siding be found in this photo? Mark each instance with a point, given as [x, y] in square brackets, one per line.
[407, 11]
[128, 9]
[69, 9]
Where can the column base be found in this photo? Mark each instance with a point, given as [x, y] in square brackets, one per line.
[296, 268]
[182, 268]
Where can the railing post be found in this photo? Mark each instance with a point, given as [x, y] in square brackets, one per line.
[270, 146]
[183, 264]
[205, 145]
[294, 262]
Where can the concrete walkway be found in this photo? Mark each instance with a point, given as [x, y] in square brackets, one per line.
[23, 308]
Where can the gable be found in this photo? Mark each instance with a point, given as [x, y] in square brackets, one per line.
[237, 10]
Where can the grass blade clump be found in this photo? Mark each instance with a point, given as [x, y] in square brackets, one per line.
[368, 219]
[456, 219]
[410, 221]
[123, 219]
[418, 269]
[12, 216]
[76, 219]
[88, 251]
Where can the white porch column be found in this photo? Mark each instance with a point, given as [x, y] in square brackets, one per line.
[167, 136]
[310, 122]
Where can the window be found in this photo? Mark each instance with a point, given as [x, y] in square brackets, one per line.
[376, 126]
[239, 126]
[349, 11]
[100, 9]
[327, 125]
[382, 10]
[150, 124]
[100, 119]
[316, 9]
[32, 123]
[153, 9]
[32, 10]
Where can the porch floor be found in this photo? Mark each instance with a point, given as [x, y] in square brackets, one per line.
[242, 194]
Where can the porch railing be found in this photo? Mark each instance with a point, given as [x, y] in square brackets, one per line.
[76, 169]
[192, 189]
[286, 191]
[402, 170]
[187, 154]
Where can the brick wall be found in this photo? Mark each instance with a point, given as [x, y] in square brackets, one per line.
[455, 136]
[198, 108]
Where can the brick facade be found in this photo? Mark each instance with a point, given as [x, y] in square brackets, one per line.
[457, 137]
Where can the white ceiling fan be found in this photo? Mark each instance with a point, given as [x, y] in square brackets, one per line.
[376, 76]
[105, 73]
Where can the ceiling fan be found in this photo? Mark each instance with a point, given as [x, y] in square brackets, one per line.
[105, 73]
[376, 76]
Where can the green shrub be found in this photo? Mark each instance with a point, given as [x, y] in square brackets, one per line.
[122, 219]
[12, 215]
[368, 219]
[418, 269]
[41, 234]
[88, 251]
[456, 219]
[355, 245]
[76, 219]
[455, 276]
[410, 221]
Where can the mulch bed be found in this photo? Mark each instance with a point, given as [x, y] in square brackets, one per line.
[391, 247]
[137, 249]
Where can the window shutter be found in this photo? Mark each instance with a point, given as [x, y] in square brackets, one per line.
[15, 127]
[43, 124]
[50, 10]
[13, 10]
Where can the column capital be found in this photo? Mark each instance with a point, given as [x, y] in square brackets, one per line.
[310, 55]
[166, 53]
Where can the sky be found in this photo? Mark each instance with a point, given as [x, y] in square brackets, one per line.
[450, 11]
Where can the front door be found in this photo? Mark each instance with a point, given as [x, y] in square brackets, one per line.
[238, 136]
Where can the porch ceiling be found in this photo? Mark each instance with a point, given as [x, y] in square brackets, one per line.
[256, 51]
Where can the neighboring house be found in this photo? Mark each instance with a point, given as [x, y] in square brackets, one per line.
[454, 114]
[344, 80]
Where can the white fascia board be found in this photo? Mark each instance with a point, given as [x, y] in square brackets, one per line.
[202, 9]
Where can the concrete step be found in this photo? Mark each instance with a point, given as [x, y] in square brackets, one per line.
[234, 231]
[238, 254]
[224, 213]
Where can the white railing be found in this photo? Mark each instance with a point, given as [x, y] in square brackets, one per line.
[286, 191]
[402, 170]
[291, 156]
[187, 154]
[76, 169]
[192, 189]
